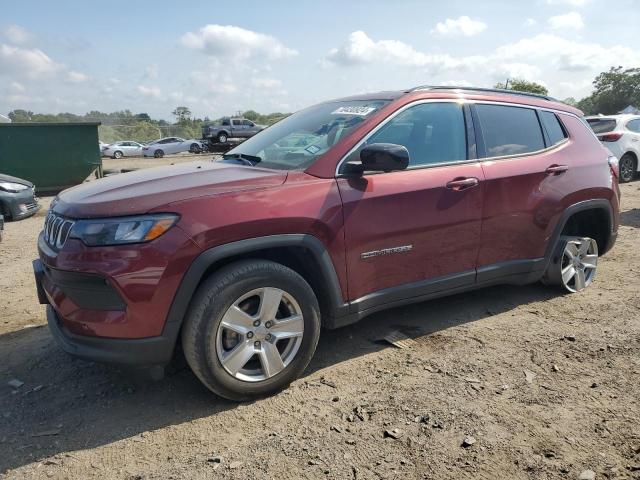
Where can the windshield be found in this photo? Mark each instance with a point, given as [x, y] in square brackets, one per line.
[296, 141]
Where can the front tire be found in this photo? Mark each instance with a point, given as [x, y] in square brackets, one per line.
[627, 167]
[194, 148]
[117, 154]
[573, 266]
[252, 328]
[222, 138]
[158, 154]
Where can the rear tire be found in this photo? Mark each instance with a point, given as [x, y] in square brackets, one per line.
[239, 346]
[158, 154]
[628, 167]
[573, 265]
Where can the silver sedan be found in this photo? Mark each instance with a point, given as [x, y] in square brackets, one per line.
[122, 149]
[169, 145]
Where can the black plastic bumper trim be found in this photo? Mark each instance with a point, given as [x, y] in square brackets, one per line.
[139, 352]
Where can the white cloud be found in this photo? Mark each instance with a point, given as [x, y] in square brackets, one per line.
[152, 92]
[229, 41]
[361, 49]
[568, 20]
[562, 54]
[573, 3]
[25, 62]
[530, 22]
[17, 35]
[462, 26]
[77, 77]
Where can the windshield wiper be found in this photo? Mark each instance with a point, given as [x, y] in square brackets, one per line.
[250, 159]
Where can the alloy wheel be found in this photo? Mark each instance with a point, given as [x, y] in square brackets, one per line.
[626, 169]
[260, 334]
[579, 262]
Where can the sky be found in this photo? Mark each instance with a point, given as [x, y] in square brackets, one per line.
[218, 58]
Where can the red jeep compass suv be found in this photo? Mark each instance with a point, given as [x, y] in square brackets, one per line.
[338, 211]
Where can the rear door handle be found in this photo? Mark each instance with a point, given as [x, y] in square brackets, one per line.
[557, 169]
[462, 183]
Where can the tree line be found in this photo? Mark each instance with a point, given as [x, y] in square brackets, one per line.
[613, 91]
[126, 125]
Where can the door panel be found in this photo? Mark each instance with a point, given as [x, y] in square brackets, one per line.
[434, 229]
[523, 192]
[520, 200]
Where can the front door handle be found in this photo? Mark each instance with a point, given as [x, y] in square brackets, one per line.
[557, 169]
[462, 183]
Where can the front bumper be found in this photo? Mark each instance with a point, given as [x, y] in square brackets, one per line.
[140, 352]
[19, 205]
[148, 351]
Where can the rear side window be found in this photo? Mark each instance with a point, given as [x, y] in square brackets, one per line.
[552, 125]
[602, 125]
[634, 125]
[509, 130]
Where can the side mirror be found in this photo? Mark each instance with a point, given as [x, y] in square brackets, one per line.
[380, 157]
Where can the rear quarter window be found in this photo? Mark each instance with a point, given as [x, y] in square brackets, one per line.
[509, 130]
[553, 127]
[602, 125]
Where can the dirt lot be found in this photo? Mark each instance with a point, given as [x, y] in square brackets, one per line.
[547, 385]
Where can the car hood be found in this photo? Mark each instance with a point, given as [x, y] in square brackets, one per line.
[143, 190]
[9, 178]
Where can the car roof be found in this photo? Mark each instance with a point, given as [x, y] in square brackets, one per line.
[471, 93]
[620, 116]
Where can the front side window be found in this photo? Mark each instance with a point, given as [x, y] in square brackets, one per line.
[552, 126]
[225, 123]
[237, 123]
[509, 130]
[433, 133]
[298, 140]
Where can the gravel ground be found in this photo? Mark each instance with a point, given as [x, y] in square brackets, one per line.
[507, 382]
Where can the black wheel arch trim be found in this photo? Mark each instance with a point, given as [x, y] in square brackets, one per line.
[207, 258]
[593, 204]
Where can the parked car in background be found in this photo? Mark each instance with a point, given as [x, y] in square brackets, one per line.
[621, 135]
[169, 145]
[17, 198]
[231, 128]
[122, 149]
[338, 211]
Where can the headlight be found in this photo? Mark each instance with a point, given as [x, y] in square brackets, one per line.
[13, 187]
[122, 230]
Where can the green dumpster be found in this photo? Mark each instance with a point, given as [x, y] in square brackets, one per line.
[53, 156]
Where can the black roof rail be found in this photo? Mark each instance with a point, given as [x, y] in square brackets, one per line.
[480, 89]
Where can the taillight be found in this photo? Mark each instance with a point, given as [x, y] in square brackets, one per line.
[614, 165]
[610, 137]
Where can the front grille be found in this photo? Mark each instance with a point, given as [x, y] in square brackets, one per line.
[56, 230]
[31, 206]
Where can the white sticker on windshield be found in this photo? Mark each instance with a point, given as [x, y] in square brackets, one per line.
[354, 110]
[313, 149]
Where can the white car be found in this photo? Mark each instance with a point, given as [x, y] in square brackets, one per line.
[166, 146]
[621, 135]
[122, 149]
